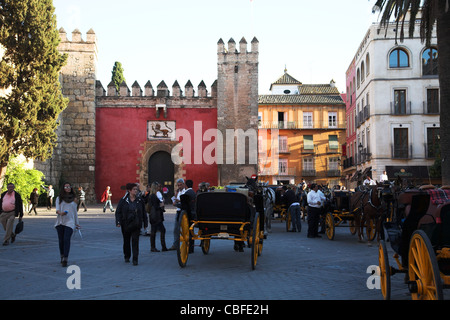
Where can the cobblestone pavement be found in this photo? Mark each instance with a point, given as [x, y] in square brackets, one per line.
[291, 266]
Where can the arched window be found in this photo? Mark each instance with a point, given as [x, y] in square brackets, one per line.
[429, 62]
[358, 78]
[367, 64]
[398, 58]
[363, 72]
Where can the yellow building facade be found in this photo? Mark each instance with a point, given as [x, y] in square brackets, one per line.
[301, 133]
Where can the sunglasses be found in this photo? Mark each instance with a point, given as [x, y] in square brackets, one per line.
[67, 187]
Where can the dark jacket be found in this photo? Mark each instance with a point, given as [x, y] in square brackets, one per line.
[190, 196]
[123, 207]
[155, 204]
[19, 204]
[34, 198]
[289, 197]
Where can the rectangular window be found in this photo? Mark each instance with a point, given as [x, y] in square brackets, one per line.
[282, 166]
[433, 101]
[332, 119]
[282, 144]
[308, 164]
[432, 141]
[307, 120]
[401, 143]
[399, 101]
[308, 143]
[333, 142]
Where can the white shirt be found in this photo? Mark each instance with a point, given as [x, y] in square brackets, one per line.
[314, 197]
[383, 177]
[370, 182]
[71, 218]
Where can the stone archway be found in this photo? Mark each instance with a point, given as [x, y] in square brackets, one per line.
[150, 148]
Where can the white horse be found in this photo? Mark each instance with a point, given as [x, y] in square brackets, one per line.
[269, 202]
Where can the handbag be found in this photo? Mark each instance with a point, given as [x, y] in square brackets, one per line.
[19, 227]
[155, 216]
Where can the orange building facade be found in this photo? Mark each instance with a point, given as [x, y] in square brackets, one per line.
[301, 133]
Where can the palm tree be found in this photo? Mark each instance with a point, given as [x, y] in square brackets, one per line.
[433, 12]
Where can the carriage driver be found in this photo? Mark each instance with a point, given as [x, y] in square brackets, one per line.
[316, 199]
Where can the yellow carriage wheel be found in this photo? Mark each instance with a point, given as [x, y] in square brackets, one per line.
[425, 281]
[329, 224]
[385, 271]
[183, 244]
[255, 240]
[206, 243]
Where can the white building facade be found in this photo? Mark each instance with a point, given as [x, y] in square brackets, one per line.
[397, 105]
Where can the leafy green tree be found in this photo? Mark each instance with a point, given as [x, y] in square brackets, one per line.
[29, 78]
[25, 180]
[117, 75]
[433, 12]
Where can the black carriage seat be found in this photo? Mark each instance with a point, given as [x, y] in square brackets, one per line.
[342, 199]
[222, 206]
[419, 207]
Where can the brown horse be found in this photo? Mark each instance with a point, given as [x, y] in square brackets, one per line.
[367, 206]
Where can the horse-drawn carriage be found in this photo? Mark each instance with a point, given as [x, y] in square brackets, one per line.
[221, 215]
[420, 236]
[352, 210]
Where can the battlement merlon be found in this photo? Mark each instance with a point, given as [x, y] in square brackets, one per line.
[231, 53]
[77, 43]
[162, 90]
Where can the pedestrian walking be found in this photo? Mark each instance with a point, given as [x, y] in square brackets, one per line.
[66, 220]
[130, 216]
[11, 206]
[50, 196]
[81, 199]
[34, 199]
[106, 198]
[155, 209]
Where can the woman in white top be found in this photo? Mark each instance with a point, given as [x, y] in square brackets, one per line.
[66, 220]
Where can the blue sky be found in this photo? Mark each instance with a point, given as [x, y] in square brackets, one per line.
[177, 40]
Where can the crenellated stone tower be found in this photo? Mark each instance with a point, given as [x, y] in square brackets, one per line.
[92, 112]
[73, 159]
[237, 108]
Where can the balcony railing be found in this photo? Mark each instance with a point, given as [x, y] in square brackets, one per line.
[400, 109]
[301, 125]
[401, 151]
[349, 162]
[308, 173]
[334, 173]
[277, 172]
[430, 108]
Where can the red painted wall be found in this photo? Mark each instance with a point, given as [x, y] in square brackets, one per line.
[120, 133]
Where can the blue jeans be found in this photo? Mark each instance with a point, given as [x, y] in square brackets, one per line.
[108, 203]
[296, 217]
[64, 236]
[176, 230]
